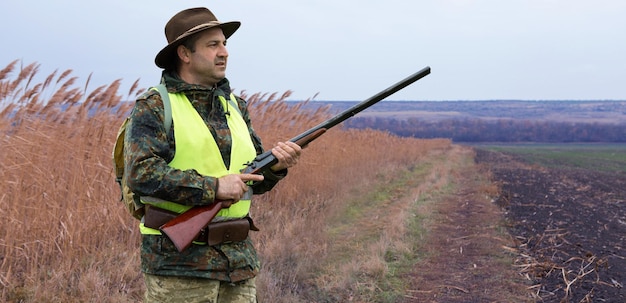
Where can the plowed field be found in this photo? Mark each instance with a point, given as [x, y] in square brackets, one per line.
[569, 226]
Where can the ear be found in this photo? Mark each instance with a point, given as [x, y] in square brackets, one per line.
[183, 53]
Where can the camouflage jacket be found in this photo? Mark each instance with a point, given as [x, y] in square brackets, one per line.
[148, 150]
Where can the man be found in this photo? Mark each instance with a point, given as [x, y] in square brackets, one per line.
[198, 162]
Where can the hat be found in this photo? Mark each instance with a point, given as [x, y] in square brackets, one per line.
[185, 24]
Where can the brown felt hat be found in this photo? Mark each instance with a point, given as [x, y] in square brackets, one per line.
[185, 24]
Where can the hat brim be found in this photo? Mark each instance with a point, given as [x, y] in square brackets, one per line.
[165, 59]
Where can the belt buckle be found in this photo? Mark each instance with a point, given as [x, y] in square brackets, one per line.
[203, 236]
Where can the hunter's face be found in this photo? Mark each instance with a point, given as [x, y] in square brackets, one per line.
[207, 64]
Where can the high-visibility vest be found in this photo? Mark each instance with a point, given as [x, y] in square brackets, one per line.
[196, 148]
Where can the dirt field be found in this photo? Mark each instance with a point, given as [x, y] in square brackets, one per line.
[569, 227]
[469, 255]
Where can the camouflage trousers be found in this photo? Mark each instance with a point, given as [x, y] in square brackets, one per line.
[197, 290]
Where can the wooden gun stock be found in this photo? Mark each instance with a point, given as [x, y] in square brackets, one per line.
[186, 227]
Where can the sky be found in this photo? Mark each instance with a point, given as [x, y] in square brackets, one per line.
[345, 49]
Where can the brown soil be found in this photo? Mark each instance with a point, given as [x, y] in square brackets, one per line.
[550, 235]
[569, 226]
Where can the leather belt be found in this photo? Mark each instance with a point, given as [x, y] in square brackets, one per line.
[155, 217]
[214, 234]
[225, 232]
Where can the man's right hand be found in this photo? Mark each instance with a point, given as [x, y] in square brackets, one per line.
[231, 188]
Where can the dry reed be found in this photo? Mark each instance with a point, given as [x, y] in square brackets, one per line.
[64, 238]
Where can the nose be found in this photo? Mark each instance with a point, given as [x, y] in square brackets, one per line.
[222, 52]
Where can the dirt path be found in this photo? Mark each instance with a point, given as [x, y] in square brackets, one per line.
[468, 259]
[434, 235]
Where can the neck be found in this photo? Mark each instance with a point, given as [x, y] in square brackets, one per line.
[191, 79]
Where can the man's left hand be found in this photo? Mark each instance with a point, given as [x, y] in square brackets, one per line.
[287, 154]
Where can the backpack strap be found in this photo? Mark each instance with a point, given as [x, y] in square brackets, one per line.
[167, 106]
[233, 102]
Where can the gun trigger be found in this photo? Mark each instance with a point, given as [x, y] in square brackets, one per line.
[247, 166]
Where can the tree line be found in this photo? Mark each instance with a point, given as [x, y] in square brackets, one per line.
[499, 130]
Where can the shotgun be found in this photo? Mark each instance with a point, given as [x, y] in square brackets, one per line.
[183, 229]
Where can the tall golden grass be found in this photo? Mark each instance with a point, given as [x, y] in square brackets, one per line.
[65, 237]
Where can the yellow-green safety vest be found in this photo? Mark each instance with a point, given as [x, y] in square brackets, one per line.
[197, 149]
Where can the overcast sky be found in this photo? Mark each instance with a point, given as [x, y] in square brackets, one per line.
[346, 49]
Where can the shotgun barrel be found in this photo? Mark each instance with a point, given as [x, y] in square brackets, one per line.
[365, 104]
